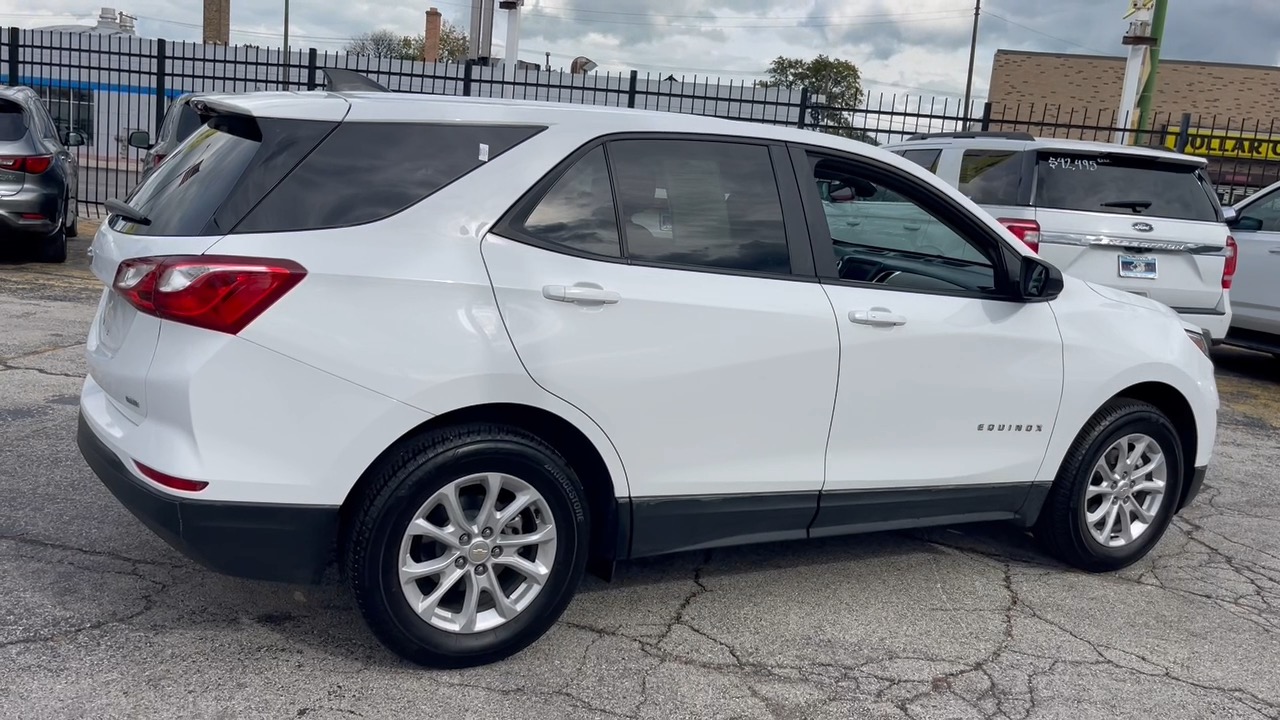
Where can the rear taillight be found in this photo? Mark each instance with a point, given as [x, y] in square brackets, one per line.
[169, 481]
[32, 165]
[214, 292]
[1229, 267]
[156, 160]
[1028, 231]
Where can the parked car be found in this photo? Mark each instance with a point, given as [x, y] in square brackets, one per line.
[1143, 220]
[1255, 321]
[39, 176]
[428, 337]
[179, 122]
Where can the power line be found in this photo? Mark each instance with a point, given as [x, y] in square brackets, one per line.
[1045, 34]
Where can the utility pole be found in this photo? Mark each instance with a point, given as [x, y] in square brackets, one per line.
[1139, 72]
[284, 59]
[1149, 88]
[973, 50]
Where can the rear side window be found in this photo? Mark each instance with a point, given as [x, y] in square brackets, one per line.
[13, 123]
[927, 159]
[367, 171]
[991, 177]
[1123, 184]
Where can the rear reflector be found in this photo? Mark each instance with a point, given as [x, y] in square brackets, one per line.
[1229, 267]
[31, 216]
[170, 481]
[215, 292]
[1028, 231]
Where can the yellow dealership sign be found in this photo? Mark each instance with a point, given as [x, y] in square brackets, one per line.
[1227, 144]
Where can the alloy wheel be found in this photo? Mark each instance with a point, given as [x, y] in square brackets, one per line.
[1125, 491]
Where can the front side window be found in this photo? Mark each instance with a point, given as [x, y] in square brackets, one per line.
[1267, 210]
[991, 177]
[882, 233]
[578, 212]
[700, 203]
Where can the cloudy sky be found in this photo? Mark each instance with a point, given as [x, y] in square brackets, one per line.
[917, 46]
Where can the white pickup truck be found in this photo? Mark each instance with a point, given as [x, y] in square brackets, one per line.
[1255, 295]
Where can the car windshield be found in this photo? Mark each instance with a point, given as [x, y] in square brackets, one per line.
[1123, 184]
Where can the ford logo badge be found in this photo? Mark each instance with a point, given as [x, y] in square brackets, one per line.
[1143, 227]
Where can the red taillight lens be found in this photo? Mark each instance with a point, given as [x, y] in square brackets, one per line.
[1028, 231]
[170, 481]
[214, 292]
[1229, 267]
[32, 165]
[156, 159]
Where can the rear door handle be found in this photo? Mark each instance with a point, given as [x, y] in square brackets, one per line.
[581, 293]
[910, 226]
[1274, 251]
[876, 317]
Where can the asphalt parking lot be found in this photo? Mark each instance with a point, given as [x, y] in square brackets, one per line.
[100, 619]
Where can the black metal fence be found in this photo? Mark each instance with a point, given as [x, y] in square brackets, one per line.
[105, 87]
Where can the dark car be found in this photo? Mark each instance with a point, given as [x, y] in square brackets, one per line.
[38, 175]
[180, 120]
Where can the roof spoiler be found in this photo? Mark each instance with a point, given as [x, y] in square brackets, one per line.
[340, 80]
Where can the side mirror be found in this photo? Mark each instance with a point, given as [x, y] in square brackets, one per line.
[140, 139]
[1247, 224]
[1230, 215]
[72, 139]
[1039, 281]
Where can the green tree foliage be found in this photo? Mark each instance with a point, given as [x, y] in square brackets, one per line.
[835, 91]
[389, 44]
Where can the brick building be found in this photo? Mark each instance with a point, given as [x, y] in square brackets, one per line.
[1235, 109]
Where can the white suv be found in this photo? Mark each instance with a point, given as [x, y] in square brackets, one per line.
[1255, 322]
[428, 337]
[1138, 219]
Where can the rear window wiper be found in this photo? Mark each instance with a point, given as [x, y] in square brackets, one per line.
[1134, 205]
[127, 211]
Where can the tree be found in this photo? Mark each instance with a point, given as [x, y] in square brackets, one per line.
[454, 44]
[835, 90]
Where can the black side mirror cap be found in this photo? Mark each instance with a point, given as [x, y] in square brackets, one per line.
[140, 139]
[1038, 281]
[72, 139]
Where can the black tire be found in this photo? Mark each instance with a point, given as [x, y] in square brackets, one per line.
[1061, 526]
[53, 248]
[398, 486]
[72, 211]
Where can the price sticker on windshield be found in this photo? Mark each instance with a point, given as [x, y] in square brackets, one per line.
[1062, 163]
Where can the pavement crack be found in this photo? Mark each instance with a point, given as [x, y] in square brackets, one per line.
[35, 353]
[5, 367]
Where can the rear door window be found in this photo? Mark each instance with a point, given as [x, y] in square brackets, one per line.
[991, 177]
[1123, 184]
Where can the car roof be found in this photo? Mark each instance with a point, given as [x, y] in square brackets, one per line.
[995, 142]
[17, 91]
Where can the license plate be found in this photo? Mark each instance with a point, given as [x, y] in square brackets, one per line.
[1138, 266]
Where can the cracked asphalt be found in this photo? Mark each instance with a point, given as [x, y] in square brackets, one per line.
[100, 619]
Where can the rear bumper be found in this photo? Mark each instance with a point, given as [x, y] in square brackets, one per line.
[30, 199]
[284, 543]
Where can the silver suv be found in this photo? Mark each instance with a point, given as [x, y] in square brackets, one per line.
[38, 175]
[1137, 219]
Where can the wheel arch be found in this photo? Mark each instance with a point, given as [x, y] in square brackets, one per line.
[1170, 401]
[610, 515]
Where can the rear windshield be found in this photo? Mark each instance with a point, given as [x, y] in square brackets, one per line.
[1123, 184]
[13, 124]
[181, 196]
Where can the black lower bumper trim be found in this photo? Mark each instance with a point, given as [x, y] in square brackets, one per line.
[1193, 487]
[283, 543]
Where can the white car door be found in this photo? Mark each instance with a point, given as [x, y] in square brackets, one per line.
[710, 366]
[1255, 292]
[948, 391]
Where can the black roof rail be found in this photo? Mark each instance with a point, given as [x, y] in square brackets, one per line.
[339, 80]
[1015, 135]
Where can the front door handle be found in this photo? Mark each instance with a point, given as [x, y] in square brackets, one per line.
[1274, 251]
[910, 226]
[876, 317]
[581, 293]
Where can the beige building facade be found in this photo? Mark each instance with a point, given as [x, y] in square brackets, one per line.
[1235, 109]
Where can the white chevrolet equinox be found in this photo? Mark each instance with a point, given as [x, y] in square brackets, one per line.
[471, 348]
